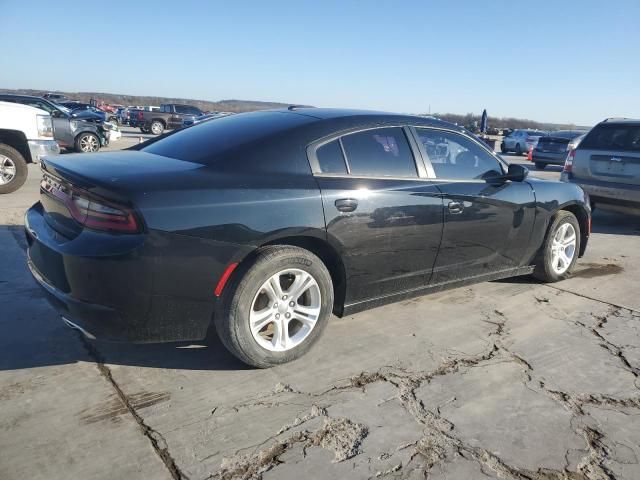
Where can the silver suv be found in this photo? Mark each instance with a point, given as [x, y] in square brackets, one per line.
[606, 165]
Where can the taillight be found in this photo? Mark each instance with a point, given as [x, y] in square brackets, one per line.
[90, 211]
[568, 163]
[140, 115]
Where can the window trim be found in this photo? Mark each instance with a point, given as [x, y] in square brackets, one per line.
[427, 161]
[418, 160]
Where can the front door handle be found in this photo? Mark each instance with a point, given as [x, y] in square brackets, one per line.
[346, 204]
[456, 207]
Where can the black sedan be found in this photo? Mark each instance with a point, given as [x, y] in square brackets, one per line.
[552, 149]
[265, 223]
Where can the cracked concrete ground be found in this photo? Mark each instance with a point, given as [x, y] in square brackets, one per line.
[510, 379]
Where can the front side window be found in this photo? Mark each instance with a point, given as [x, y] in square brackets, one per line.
[456, 157]
[183, 109]
[382, 152]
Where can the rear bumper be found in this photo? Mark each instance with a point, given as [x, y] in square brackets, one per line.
[619, 197]
[549, 157]
[104, 285]
[41, 148]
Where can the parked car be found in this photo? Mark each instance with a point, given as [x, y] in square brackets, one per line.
[26, 135]
[189, 121]
[553, 148]
[521, 141]
[168, 117]
[606, 164]
[269, 221]
[55, 97]
[82, 130]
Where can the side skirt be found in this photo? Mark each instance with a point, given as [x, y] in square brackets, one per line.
[418, 292]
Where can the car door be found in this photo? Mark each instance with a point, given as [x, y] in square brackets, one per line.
[487, 225]
[382, 214]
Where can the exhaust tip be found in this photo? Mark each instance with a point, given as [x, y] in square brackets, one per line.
[70, 324]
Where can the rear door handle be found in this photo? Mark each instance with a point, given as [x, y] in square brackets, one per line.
[456, 207]
[346, 204]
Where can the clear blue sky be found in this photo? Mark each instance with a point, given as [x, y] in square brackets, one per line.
[560, 61]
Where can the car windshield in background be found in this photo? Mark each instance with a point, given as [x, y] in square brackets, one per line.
[613, 137]
[203, 142]
[535, 132]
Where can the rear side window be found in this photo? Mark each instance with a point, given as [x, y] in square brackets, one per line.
[204, 143]
[382, 152]
[456, 157]
[330, 158]
[613, 137]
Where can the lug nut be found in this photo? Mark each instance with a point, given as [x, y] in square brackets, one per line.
[275, 305]
[277, 316]
[287, 315]
[284, 297]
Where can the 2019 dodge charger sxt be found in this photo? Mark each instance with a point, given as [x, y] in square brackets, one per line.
[267, 222]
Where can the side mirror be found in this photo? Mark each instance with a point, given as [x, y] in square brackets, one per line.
[515, 173]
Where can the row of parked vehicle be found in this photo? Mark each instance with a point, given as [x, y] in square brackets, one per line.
[168, 116]
[543, 148]
[32, 126]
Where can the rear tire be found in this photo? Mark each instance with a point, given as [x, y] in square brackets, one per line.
[548, 268]
[157, 127]
[503, 148]
[518, 149]
[249, 297]
[540, 165]
[13, 169]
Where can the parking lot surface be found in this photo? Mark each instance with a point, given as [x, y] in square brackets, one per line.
[509, 379]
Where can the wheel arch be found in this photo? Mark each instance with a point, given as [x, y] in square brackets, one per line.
[161, 120]
[17, 140]
[582, 215]
[329, 256]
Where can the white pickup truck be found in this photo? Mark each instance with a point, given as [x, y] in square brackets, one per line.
[26, 134]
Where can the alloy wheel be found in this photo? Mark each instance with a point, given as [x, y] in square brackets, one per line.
[563, 248]
[285, 310]
[156, 128]
[89, 143]
[7, 170]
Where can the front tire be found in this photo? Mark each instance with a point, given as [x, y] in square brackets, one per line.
[503, 148]
[275, 307]
[87, 143]
[518, 149]
[13, 169]
[559, 253]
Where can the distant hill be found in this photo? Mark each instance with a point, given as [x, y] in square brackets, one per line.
[469, 119]
[238, 106]
[119, 99]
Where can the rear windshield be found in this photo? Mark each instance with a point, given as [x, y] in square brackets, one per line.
[566, 134]
[613, 137]
[202, 143]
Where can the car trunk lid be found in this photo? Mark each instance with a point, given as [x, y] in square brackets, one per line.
[75, 187]
[552, 144]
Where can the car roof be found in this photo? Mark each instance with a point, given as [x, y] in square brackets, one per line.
[29, 97]
[621, 120]
[368, 116]
[20, 106]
